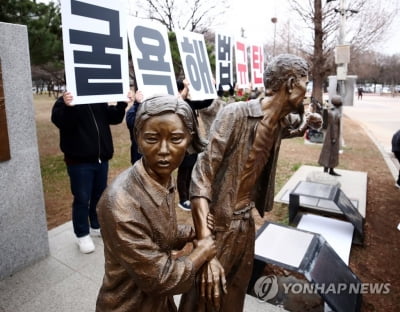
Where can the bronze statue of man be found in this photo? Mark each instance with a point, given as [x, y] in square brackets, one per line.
[236, 173]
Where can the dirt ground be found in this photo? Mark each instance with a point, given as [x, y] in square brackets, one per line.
[375, 262]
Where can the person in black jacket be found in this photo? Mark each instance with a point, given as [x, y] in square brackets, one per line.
[86, 141]
[186, 167]
[396, 152]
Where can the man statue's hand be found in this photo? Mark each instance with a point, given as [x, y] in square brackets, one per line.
[210, 221]
[213, 282]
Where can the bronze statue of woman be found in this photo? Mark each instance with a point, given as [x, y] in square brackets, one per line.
[138, 219]
[329, 157]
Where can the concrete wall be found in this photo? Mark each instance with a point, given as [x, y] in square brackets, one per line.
[23, 228]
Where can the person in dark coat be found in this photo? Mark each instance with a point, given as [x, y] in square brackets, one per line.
[360, 93]
[329, 157]
[86, 141]
[186, 167]
[396, 152]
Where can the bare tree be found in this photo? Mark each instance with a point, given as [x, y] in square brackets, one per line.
[377, 68]
[366, 22]
[192, 15]
[391, 71]
[367, 66]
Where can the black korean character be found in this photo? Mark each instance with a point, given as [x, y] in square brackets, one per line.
[196, 62]
[153, 57]
[98, 55]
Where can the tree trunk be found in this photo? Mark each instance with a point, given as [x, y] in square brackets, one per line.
[318, 66]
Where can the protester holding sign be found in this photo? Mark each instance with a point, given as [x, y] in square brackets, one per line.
[186, 167]
[86, 141]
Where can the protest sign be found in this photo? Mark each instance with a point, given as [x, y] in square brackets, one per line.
[223, 60]
[151, 56]
[242, 72]
[196, 65]
[257, 65]
[95, 50]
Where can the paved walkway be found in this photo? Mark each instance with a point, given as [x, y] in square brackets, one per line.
[380, 118]
[68, 281]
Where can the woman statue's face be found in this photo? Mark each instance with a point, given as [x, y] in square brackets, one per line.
[163, 141]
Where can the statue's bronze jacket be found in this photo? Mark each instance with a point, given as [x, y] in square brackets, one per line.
[139, 229]
[218, 171]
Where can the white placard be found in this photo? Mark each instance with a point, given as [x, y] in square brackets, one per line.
[257, 65]
[342, 54]
[341, 72]
[338, 234]
[242, 70]
[223, 60]
[196, 65]
[282, 244]
[95, 50]
[151, 56]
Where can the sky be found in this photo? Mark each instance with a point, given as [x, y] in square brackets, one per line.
[392, 45]
[254, 16]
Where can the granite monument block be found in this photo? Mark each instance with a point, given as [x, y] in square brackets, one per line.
[23, 228]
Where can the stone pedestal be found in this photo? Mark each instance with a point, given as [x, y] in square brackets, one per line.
[23, 228]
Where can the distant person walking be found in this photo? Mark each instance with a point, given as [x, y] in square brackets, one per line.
[396, 152]
[360, 93]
